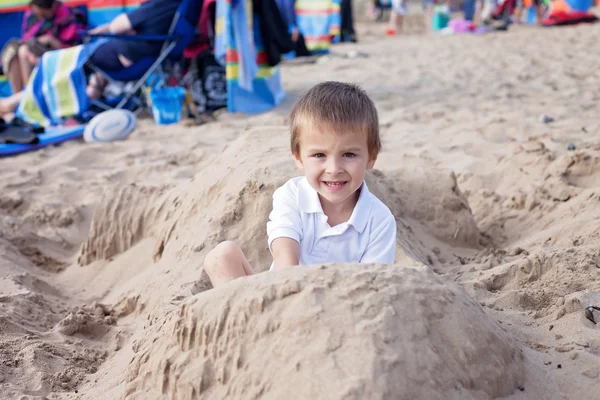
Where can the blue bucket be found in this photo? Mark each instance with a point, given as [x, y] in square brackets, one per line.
[440, 18]
[167, 103]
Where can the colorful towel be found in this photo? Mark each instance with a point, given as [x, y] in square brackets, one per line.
[319, 22]
[233, 27]
[56, 89]
[252, 85]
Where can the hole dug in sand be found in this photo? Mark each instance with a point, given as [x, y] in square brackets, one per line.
[345, 331]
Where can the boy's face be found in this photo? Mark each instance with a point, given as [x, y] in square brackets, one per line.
[334, 165]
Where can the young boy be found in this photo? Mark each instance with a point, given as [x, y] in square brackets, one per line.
[328, 215]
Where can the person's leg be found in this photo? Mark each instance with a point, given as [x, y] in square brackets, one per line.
[517, 15]
[395, 23]
[95, 86]
[107, 58]
[225, 263]
[25, 65]
[396, 16]
[9, 104]
[428, 4]
[13, 73]
[469, 10]
[539, 9]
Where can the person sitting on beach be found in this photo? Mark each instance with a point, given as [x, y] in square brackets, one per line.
[153, 17]
[47, 25]
[328, 215]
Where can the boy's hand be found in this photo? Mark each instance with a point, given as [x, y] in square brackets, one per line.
[286, 252]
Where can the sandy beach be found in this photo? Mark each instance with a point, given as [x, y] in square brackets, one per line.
[102, 291]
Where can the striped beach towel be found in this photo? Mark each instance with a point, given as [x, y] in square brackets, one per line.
[252, 85]
[56, 88]
[319, 22]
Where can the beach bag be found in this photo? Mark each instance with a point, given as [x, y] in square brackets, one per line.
[213, 82]
[206, 82]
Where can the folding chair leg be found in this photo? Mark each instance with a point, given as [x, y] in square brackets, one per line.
[142, 80]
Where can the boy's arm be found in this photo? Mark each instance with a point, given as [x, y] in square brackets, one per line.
[284, 227]
[286, 252]
[382, 244]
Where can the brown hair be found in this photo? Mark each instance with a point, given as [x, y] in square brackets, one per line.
[44, 4]
[340, 107]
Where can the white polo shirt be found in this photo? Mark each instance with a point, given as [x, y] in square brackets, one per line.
[369, 236]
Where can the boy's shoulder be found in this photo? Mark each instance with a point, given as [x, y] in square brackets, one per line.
[379, 211]
[292, 186]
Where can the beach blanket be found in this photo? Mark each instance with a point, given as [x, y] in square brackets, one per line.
[252, 85]
[56, 89]
[51, 136]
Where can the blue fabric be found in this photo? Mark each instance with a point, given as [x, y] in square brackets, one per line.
[237, 36]
[287, 9]
[153, 17]
[132, 46]
[250, 89]
[263, 96]
[335, 19]
[11, 26]
[5, 89]
[56, 89]
[106, 57]
[132, 73]
[51, 136]
[134, 38]
[469, 9]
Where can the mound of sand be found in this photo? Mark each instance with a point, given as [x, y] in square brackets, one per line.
[350, 331]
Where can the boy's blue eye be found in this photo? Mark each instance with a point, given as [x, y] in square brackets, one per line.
[349, 155]
[318, 155]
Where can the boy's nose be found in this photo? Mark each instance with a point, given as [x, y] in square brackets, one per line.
[334, 166]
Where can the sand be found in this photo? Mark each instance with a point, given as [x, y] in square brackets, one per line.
[102, 290]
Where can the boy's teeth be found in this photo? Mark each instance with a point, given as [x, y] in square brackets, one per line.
[334, 183]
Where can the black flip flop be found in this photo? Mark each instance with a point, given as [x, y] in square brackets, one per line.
[14, 134]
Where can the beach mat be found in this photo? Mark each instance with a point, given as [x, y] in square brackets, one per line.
[52, 135]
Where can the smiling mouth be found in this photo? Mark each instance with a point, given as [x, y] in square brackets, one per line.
[335, 184]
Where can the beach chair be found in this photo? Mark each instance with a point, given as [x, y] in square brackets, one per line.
[180, 35]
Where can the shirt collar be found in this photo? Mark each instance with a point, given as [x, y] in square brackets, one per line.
[308, 201]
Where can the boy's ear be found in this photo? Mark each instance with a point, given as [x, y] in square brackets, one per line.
[298, 161]
[371, 162]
